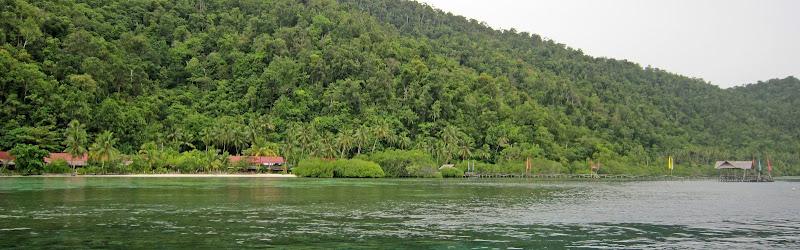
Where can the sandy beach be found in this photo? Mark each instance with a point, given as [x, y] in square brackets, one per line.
[175, 176]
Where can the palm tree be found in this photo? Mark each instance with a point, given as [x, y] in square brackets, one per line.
[465, 152]
[258, 125]
[327, 145]
[150, 152]
[216, 161]
[484, 153]
[344, 142]
[75, 139]
[103, 148]
[262, 148]
[239, 140]
[362, 137]
[450, 135]
[188, 141]
[316, 145]
[502, 142]
[174, 136]
[441, 152]
[207, 137]
[290, 152]
[380, 132]
[314, 148]
[401, 141]
[305, 138]
[451, 138]
[224, 136]
[289, 145]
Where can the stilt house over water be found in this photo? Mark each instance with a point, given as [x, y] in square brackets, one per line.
[739, 171]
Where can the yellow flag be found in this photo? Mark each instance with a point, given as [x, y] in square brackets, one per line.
[669, 163]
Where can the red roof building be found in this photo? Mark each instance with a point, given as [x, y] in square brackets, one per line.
[258, 160]
[76, 161]
[6, 158]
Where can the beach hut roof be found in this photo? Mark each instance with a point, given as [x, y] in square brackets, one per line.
[447, 166]
[267, 160]
[733, 164]
[258, 160]
[6, 157]
[75, 161]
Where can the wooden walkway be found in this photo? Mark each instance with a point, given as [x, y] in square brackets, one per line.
[745, 178]
[580, 176]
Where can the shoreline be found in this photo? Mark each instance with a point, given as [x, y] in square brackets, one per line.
[165, 176]
[281, 176]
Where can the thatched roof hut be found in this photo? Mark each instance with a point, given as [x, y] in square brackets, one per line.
[740, 171]
[733, 165]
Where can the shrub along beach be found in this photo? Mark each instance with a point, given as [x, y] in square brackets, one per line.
[354, 168]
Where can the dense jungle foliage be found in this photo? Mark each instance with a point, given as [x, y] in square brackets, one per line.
[328, 79]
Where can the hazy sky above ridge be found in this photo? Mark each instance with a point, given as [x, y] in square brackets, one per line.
[725, 42]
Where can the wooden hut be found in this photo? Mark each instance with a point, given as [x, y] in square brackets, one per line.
[254, 163]
[737, 171]
[273, 163]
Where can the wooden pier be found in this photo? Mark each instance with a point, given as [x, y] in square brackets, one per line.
[738, 177]
[580, 176]
[538, 176]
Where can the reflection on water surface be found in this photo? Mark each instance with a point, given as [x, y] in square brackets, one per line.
[400, 213]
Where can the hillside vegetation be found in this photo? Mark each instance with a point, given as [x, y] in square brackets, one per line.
[327, 79]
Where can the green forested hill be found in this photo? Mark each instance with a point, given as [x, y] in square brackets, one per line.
[339, 79]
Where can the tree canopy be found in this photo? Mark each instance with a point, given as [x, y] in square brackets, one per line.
[322, 78]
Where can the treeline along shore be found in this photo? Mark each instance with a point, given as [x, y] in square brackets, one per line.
[333, 87]
[102, 158]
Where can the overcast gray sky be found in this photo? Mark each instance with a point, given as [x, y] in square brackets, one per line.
[725, 42]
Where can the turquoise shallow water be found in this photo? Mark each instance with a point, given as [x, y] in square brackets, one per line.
[48, 212]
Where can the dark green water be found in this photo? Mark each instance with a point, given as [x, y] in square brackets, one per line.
[314, 213]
